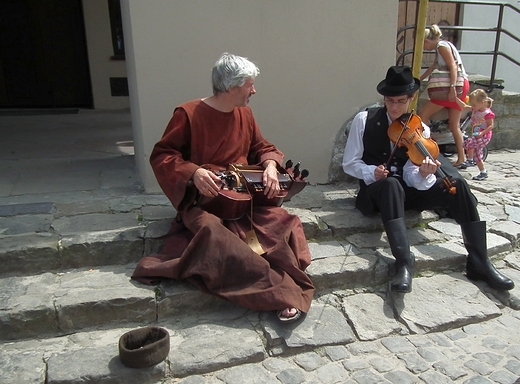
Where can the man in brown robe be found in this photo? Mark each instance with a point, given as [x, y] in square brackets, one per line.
[212, 253]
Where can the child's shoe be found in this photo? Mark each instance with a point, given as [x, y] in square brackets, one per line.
[481, 176]
[469, 163]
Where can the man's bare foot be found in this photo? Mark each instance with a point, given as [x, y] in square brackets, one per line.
[289, 314]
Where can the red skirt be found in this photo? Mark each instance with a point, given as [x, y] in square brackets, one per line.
[453, 104]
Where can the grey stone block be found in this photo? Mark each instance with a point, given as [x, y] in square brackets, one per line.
[104, 367]
[111, 247]
[345, 271]
[208, 346]
[29, 254]
[18, 225]
[27, 306]
[27, 209]
[323, 325]
[90, 298]
[423, 312]
[360, 307]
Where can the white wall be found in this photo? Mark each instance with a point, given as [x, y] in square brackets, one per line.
[102, 68]
[320, 62]
[484, 16]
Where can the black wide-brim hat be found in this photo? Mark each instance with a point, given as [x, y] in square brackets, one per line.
[399, 81]
[144, 347]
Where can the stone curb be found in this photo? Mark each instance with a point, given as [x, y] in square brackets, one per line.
[64, 325]
[232, 336]
[52, 304]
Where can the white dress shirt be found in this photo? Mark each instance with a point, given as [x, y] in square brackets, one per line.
[354, 166]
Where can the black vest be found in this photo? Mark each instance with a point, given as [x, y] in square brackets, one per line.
[376, 151]
[376, 144]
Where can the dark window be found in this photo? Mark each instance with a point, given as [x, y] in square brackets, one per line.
[116, 25]
[119, 86]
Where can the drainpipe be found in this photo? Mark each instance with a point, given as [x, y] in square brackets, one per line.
[420, 26]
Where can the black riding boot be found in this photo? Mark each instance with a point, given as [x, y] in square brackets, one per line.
[404, 259]
[478, 266]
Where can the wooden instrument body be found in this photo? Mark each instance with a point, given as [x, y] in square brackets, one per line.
[242, 185]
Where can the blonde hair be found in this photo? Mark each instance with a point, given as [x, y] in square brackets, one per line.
[481, 96]
[433, 33]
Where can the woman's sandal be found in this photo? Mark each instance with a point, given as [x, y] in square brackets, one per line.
[289, 319]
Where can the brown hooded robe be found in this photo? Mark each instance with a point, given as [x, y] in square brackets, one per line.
[212, 253]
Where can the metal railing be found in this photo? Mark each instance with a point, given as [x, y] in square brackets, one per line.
[498, 30]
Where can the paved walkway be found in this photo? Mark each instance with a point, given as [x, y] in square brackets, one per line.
[415, 338]
[73, 181]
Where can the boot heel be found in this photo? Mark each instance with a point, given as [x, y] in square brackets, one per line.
[478, 266]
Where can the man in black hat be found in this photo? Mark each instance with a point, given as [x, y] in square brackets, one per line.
[390, 184]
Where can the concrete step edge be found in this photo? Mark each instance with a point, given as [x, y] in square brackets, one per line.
[51, 304]
[33, 253]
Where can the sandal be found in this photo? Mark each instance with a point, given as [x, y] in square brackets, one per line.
[285, 319]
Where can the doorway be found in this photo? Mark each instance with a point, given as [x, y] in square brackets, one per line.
[43, 55]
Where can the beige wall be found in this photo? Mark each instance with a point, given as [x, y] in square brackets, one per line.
[99, 43]
[319, 61]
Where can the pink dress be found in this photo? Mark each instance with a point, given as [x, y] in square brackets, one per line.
[479, 123]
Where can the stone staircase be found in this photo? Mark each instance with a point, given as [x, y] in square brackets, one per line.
[66, 294]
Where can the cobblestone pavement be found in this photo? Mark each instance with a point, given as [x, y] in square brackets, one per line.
[482, 352]
[447, 330]
[488, 352]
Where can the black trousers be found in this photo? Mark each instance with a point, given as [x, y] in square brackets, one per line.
[391, 197]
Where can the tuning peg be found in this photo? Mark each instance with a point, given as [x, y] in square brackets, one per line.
[289, 164]
[304, 174]
[296, 170]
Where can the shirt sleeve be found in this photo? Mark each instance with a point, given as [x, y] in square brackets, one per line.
[353, 165]
[170, 158]
[414, 179]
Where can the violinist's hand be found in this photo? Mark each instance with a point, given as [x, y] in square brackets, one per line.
[428, 167]
[270, 179]
[206, 182]
[380, 172]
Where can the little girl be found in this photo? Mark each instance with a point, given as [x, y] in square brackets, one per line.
[482, 120]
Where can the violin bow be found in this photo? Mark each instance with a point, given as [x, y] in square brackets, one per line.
[398, 139]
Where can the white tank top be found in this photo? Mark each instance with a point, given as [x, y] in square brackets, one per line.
[455, 53]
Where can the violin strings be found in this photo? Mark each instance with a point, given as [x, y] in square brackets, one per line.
[424, 152]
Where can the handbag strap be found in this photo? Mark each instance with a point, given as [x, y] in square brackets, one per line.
[460, 65]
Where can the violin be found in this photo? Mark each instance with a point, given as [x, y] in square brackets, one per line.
[408, 133]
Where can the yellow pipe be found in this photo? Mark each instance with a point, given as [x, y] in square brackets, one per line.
[420, 27]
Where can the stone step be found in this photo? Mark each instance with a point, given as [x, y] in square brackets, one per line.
[73, 273]
[227, 335]
[66, 237]
[60, 321]
[43, 237]
[36, 243]
[59, 303]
